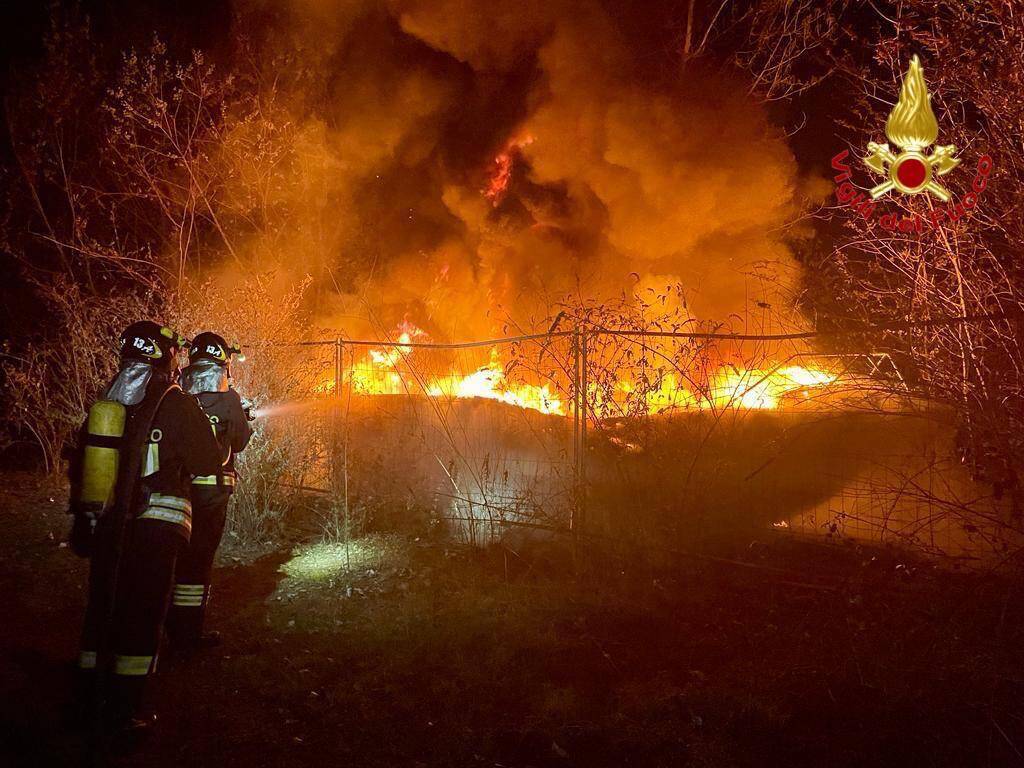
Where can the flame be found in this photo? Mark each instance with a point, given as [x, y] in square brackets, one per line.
[390, 357]
[669, 394]
[489, 382]
[501, 176]
[912, 124]
[498, 184]
[386, 371]
[764, 389]
[376, 375]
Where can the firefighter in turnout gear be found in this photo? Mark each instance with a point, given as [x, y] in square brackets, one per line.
[131, 473]
[208, 377]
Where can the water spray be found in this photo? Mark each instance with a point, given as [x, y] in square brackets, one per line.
[280, 409]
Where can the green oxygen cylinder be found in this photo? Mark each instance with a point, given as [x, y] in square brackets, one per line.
[103, 432]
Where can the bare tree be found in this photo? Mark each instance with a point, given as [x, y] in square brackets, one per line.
[969, 265]
[122, 212]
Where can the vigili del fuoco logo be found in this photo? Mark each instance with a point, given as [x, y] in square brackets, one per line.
[914, 169]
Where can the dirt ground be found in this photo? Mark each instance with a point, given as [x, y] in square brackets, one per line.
[421, 654]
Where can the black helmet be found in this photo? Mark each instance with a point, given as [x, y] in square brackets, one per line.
[211, 346]
[151, 343]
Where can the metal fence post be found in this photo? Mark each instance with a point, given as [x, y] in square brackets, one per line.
[339, 347]
[336, 421]
[581, 522]
[576, 411]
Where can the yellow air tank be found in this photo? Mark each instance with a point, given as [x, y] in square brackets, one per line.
[104, 430]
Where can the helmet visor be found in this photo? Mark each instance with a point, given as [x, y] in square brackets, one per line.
[204, 376]
[129, 385]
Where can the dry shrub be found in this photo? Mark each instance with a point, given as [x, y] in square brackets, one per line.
[52, 381]
[281, 378]
[122, 213]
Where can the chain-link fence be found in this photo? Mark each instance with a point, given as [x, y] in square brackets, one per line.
[459, 432]
[638, 438]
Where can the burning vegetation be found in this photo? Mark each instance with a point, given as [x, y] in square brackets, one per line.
[392, 370]
[633, 214]
[567, 325]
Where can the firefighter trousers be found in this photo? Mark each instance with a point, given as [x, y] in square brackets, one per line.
[128, 632]
[192, 579]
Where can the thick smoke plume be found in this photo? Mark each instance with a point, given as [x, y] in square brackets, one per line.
[467, 165]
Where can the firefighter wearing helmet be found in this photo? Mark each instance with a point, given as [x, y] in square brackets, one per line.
[142, 443]
[208, 378]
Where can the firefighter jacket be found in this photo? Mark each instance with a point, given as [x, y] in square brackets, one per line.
[179, 446]
[167, 441]
[229, 422]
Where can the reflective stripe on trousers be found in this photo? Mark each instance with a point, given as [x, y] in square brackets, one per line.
[133, 666]
[190, 595]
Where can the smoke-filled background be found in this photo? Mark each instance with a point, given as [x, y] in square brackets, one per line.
[467, 166]
[283, 171]
[289, 171]
[453, 170]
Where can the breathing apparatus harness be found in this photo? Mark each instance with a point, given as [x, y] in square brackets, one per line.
[96, 479]
[109, 477]
[209, 372]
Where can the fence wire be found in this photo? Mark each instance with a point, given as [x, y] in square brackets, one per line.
[631, 436]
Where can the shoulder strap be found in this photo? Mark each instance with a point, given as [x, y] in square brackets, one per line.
[140, 424]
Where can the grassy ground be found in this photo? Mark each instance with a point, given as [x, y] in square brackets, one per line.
[422, 655]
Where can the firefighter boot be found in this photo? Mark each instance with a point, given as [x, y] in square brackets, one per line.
[126, 725]
[209, 639]
[83, 705]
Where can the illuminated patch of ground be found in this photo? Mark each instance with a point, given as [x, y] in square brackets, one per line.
[326, 559]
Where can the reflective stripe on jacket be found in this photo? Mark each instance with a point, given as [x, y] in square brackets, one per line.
[169, 509]
[224, 479]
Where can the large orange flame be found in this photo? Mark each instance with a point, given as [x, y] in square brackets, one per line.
[388, 371]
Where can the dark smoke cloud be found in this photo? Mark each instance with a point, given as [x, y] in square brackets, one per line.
[616, 180]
